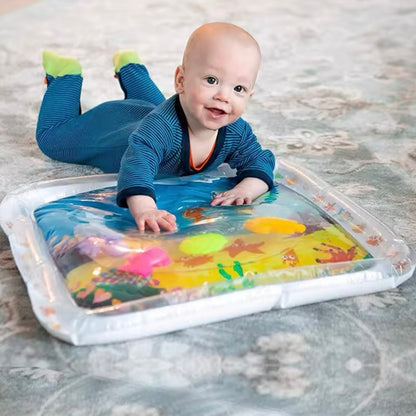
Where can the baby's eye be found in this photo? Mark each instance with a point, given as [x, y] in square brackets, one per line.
[239, 88]
[211, 80]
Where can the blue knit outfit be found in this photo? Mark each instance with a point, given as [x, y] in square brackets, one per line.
[142, 137]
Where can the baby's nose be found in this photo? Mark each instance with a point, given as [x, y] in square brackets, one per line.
[222, 94]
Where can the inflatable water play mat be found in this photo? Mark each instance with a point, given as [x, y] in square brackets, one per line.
[94, 278]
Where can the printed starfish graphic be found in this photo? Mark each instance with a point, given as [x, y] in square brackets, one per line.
[194, 213]
[238, 246]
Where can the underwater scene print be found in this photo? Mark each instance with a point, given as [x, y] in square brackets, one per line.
[106, 261]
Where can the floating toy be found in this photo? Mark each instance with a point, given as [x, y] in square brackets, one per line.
[266, 225]
[94, 278]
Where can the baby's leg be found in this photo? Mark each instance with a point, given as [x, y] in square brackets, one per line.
[134, 78]
[98, 137]
[68, 95]
[60, 103]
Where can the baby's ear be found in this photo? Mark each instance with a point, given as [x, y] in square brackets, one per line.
[179, 78]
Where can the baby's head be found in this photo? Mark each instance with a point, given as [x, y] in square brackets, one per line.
[218, 72]
[237, 45]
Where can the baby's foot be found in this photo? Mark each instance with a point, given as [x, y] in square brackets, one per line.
[124, 57]
[58, 66]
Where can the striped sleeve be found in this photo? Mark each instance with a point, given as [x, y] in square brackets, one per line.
[148, 146]
[249, 158]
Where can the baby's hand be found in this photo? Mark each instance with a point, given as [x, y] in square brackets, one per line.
[231, 197]
[145, 212]
[156, 219]
[244, 192]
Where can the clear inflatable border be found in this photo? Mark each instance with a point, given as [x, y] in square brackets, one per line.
[393, 262]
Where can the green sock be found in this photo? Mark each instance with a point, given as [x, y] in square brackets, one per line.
[58, 66]
[125, 57]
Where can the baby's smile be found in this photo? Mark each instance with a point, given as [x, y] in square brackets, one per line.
[216, 112]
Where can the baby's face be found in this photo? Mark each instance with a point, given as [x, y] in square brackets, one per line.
[217, 82]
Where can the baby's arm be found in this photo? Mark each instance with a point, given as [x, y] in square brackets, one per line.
[244, 192]
[145, 212]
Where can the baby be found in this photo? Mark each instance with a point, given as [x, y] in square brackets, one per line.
[145, 136]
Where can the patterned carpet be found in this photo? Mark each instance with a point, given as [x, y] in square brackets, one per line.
[336, 94]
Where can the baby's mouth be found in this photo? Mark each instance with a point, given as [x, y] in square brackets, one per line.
[216, 112]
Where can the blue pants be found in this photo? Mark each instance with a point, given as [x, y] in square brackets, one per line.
[99, 136]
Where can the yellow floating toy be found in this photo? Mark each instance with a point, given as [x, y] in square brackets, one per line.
[267, 225]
